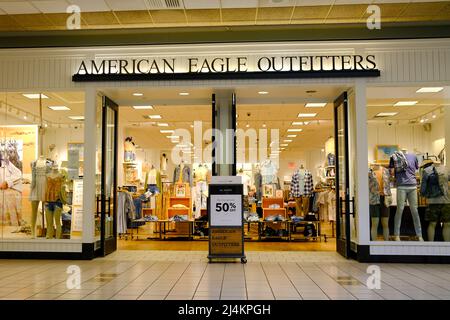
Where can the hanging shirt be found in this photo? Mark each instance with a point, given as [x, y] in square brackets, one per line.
[408, 176]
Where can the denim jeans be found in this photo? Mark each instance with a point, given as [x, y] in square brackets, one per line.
[410, 194]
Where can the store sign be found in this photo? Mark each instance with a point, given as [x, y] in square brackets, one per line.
[226, 241]
[223, 67]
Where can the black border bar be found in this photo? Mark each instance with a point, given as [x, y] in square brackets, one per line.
[226, 76]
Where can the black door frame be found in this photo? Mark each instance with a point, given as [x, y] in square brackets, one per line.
[109, 245]
[343, 246]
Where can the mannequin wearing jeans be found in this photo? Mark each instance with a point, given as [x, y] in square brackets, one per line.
[406, 190]
[55, 197]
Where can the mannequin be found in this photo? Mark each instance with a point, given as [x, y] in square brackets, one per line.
[182, 174]
[406, 189]
[246, 184]
[438, 199]
[129, 150]
[55, 197]
[301, 189]
[153, 180]
[380, 198]
[39, 169]
[164, 161]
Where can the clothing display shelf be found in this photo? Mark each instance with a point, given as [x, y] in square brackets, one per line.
[268, 211]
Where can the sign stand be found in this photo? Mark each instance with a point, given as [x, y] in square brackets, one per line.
[226, 219]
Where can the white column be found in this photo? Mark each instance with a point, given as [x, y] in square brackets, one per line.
[447, 126]
[362, 160]
[90, 141]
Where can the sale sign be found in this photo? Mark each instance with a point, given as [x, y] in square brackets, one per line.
[226, 210]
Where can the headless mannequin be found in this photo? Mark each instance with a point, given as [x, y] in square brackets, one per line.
[431, 231]
[53, 212]
[376, 221]
[41, 162]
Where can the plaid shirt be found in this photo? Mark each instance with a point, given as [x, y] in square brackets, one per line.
[295, 184]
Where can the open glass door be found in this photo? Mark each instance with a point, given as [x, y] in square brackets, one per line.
[343, 197]
[109, 132]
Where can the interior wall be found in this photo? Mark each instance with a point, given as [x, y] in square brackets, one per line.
[310, 158]
[412, 137]
[61, 137]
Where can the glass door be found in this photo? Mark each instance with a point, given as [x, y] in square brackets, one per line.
[344, 203]
[109, 132]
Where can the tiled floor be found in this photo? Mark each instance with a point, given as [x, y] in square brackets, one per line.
[182, 275]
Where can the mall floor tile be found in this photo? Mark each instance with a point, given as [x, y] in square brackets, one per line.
[182, 275]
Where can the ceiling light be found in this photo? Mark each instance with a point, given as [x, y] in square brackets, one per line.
[192, 125]
[247, 125]
[264, 125]
[307, 122]
[295, 130]
[282, 148]
[161, 124]
[291, 135]
[59, 108]
[422, 120]
[405, 103]
[138, 94]
[433, 115]
[143, 107]
[167, 131]
[287, 140]
[315, 104]
[184, 93]
[173, 137]
[76, 117]
[283, 145]
[430, 89]
[263, 92]
[386, 114]
[154, 116]
[35, 95]
[307, 115]
[25, 117]
[297, 123]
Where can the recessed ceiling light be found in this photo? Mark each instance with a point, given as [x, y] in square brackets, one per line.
[138, 94]
[192, 125]
[183, 93]
[283, 145]
[263, 92]
[295, 130]
[59, 108]
[247, 125]
[143, 107]
[167, 131]
[386, 114]
[291, 135]
[264, 125]
[154, 116]
[76, 117]
[430, 89]
[35, 95]
[25, 117]
[297, 123]
[162, 124]
[282, 148]
[307, 115]
[405, 103]
[287, 140]
[315, 104]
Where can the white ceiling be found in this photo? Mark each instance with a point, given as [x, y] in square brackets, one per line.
[277, 110]
[60, 6]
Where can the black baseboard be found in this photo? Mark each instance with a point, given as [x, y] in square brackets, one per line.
[86, 254]
[364, 255]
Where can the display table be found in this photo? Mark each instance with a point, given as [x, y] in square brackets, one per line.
[179, 229]
[301, 224]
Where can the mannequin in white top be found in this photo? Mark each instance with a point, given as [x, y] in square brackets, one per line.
[38, 186]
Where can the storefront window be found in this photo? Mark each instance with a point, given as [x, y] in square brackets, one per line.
[41, 172]
[408, 171]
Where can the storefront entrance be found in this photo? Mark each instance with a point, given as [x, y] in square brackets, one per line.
[154, 161]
